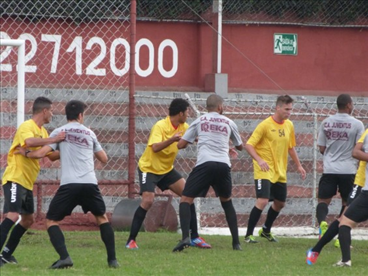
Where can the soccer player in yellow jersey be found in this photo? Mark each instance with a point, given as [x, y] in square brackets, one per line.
[20, 175]
[333, 229]
[269, 146]
[156, 168]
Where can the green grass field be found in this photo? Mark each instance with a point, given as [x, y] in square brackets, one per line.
[154, 257]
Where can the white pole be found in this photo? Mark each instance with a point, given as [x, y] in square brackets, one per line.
[219, 44]
[21, 44]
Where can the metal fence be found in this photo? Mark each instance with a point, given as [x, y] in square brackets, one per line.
[247, 110]
[342, 13]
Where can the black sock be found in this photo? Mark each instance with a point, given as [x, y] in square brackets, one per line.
[254, 216]
[331, 232]
[5, 227]
[345, 241]
[322, 212]
[13, 240]
[232, 220]
[271, 216]
[58, 241]
[193, 223]
[184, 214]
[139, 216]
[108, 237]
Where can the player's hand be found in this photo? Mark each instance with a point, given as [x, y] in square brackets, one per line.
[302, 172]
[233, 153]
[60, 137]
[264, 166]
[177, 136]
[20, 150]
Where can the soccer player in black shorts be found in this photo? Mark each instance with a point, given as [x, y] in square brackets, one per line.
[213, 167]
[20, 175]
[78, 183]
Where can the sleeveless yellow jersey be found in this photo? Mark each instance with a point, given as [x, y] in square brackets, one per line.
[272, 141]
[20, 169]
[161, 162]
[360, 174]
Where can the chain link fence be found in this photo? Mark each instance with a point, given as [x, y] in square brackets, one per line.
[87, 58]
[248, 110]
[342, 13]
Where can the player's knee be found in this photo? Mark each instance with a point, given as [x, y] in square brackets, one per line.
[146, 204]
[27, 222]
[261, 203]
[12, 216]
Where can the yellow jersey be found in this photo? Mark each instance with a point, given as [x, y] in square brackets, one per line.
[161, 162]
[272, 141]
[20, 169]
[360, 174]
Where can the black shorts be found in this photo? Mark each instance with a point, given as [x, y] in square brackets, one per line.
[354, 194]
[266, 189]
[215, 174]
[329, 184]
[68, 196]
[358, 209]
[149, 181]
[17, 199]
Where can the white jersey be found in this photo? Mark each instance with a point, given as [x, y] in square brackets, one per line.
[365, 149]
[339, 134]
[77, 153]
[213, 131]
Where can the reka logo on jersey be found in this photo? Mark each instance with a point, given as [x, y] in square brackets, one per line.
[273, 130]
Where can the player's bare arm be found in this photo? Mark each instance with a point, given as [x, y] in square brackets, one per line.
[35, 154]
[182, 144]
[252, 152]
[359, 154]
[156, 147]
[39, 142]
[101, 156]
[322, 149]
[294, 156]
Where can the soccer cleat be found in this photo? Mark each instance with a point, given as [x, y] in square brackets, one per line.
[250, 239]
[113, 264]
[342, 264]
[182, 245]
[322, 228]
[311, 257]
[200, 242]
[59, 264]
[337, 243]
[237, 247]
[268, 236]
[10, 260]
[131, 245]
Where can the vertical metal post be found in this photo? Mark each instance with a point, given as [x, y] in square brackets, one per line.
[217, 35]
[314, 191]
[131, 134]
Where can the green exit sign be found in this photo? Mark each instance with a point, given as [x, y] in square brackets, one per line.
[285, 44]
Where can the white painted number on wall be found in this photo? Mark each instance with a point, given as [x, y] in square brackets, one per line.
[94, 68]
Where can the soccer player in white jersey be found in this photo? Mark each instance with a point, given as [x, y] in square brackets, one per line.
[78, 183]
[337, 137]
[357, 211]
[213, 167]
[333, 229]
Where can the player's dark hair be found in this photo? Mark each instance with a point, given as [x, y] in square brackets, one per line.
[284, 99]
[40, 104]
[213, 101]
[73, 108]
[343, 100]
[177, 106]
